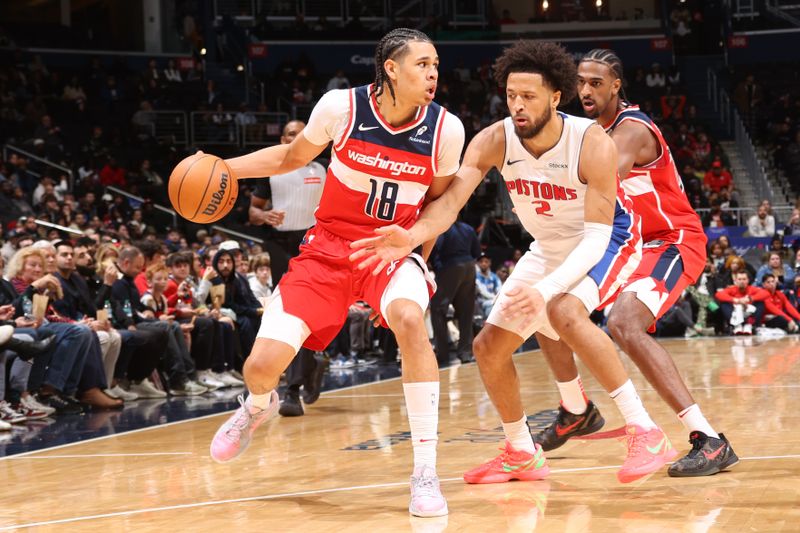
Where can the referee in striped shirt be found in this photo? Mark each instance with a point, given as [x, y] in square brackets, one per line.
[285, 205]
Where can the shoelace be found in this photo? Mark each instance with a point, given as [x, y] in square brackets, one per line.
[635, 443]
[697, 445]
[241, 422]
[425, 486]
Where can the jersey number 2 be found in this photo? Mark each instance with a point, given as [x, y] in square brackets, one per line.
[542, 208]
[386, 200]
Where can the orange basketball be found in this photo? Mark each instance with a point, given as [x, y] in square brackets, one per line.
[202, 188]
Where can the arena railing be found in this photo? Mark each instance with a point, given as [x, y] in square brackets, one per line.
[59, 169]
[258, 128]
[732, 120]
[233, 233]
[782, 214]
[171, 212]
[57, 226]
[167, 125]
[235, 128]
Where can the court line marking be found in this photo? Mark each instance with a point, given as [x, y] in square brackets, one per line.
[308, 493]
[168, 424]
[555, 391]
[93, 455]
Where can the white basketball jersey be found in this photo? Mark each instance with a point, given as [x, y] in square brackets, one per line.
[546, 191]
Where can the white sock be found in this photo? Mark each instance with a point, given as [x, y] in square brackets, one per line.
[519, 435]
[573, 398]
[631, 407]
[694, 420]
[422, 405]
[258, 401]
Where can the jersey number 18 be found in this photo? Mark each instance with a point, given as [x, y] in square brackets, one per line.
[386, 200]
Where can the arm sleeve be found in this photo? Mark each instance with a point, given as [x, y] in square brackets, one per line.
[578, 263]
[770, 225]
[202, 292]
[451, 145]
[103, 294]
[329, 117]
[787, 305]
[723, 295]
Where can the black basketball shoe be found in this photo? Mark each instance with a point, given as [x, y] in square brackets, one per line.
[291, 406]
[707, 457]
[568, 425]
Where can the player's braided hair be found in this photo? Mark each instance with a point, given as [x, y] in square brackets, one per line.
[608, 58]
[393, 45]
[550, 60]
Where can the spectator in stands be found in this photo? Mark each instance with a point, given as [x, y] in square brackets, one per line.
[782, 272]
[742, 305]
[762, 224]
[260, 276]
[701, 150]
[672, 106]
[778, 311]
[716, 255]
[726, 276]
[173, 240]
[487, 284]
[718, 218]
[238, 298]
[502, 273]
[338, 81]
[655, 80]
[113, 174]
[792, 228]
[171, 73]
[718, 177]
[153, 255]
[47, 186]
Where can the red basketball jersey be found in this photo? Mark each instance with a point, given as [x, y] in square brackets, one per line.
[657, 191]
[379, 174]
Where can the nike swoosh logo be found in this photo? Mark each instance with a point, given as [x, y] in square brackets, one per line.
[362, 128]
[510, 162]
[711, 456]
[657, 449]
[513, 468]
[563, 430]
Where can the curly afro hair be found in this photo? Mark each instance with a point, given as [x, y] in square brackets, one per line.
[551, 60]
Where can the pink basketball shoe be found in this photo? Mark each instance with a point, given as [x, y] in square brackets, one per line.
[233, 437]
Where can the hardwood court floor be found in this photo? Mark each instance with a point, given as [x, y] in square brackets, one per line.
[344, 466]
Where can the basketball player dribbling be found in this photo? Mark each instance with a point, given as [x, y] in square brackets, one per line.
[674, 255]
[560, 172]
[393, 147]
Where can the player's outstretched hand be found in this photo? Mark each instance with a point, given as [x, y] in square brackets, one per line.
[392, 243]
[522, 301]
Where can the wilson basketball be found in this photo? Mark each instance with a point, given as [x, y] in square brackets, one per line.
[202, 188]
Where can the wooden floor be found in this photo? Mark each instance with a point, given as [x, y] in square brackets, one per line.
[344, 466]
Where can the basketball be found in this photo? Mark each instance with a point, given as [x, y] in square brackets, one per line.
[202, 188]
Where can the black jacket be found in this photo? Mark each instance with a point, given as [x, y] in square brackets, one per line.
[238, 295]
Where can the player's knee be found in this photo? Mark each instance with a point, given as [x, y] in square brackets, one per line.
[406, 319]
[260, 367]
[562, 313]
[482, 347]
[617, 325]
